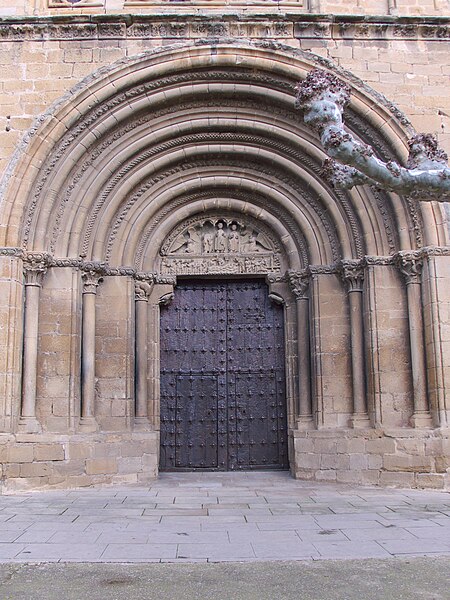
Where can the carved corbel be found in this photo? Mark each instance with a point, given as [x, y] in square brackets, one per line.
[166, 299]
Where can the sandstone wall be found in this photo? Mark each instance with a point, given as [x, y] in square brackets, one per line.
[338, 7]
[407, 62]
[42, 60]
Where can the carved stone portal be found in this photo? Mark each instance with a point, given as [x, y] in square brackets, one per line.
[216, 244]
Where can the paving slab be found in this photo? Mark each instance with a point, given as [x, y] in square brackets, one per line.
[223, 517]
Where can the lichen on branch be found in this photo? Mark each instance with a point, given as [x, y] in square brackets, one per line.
[322, 98]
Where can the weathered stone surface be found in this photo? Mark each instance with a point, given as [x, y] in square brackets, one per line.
[98, 186]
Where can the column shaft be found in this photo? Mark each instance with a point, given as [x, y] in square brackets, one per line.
[410, 265]
[421, 412]
[358, 358]
[142, 292]
[30, 350]
[304, 366]
[141, 358]
[352, 272]
[91, 280]
[88, 357]
[35, 268]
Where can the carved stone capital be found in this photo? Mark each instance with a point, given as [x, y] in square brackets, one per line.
[410, 266]
[35, 267]
[299, 283]
[142, 290]
[352, 273]
[91, 280]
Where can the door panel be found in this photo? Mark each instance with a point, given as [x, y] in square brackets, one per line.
[222, 378]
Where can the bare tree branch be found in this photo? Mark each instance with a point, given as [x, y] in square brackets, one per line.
[322, 98]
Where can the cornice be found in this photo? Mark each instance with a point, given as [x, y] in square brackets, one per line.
[191, 25]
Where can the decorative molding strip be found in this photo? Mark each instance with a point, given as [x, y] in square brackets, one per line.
[370, 261]
[13, 252]
[324, 269]
[435, 251]
[191, 25]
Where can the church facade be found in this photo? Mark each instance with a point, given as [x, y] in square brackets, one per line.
[180, 287]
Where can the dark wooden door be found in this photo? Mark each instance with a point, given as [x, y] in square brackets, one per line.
[223, 403]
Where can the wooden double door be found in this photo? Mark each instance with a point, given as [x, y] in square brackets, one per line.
[223, 404]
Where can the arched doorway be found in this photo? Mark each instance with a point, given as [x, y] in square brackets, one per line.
[103, 229]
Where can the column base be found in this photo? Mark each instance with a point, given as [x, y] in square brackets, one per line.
[360, 421]
[142, 424]
[29, 425]
[305, 423]
[88, 425]
[421, 418]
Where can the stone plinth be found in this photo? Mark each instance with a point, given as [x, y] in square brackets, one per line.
[407, 458]
[31, 461]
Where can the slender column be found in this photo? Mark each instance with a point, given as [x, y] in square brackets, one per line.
[410, 265]
[34, 271]
[353, 275]
[142, 292]
[392, 7]
[91, 280]
[299, 282]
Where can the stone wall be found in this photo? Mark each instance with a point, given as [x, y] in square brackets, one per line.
[352, 7]
[46, 460]
[387, 457]
[407, 61]
[48, 61]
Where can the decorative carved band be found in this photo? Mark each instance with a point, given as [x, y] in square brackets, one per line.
[13, 252]
[158, 26]
[220, 244]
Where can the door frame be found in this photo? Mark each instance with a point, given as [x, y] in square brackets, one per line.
[279, 291]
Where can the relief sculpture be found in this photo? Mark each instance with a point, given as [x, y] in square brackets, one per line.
[219, 245]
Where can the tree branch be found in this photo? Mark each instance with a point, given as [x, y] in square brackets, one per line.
[322, 98]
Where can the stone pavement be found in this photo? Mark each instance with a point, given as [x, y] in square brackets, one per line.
[223, 517]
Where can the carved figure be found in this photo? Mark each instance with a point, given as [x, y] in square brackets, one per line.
[221, 240]
[233, 239]
[193, 242]
[208, 243]
[250, 245]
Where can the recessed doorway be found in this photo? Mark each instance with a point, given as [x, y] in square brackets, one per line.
[223, 389]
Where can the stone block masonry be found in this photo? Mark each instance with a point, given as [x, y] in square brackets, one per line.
[37, 461]
[408, 458]
[118, 133]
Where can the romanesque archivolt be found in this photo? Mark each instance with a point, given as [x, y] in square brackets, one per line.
[220, 245]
